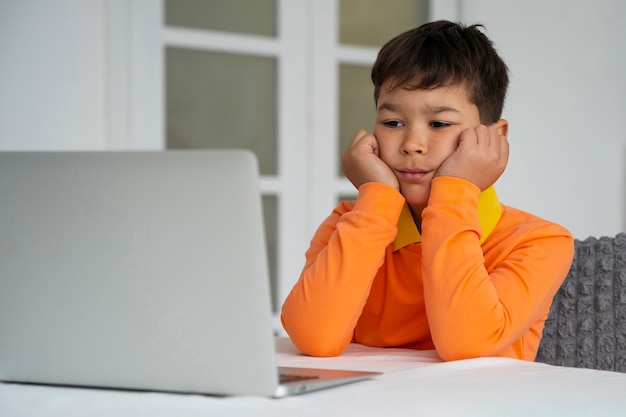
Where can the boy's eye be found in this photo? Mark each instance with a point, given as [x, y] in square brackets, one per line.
[393, 123]
[438, 125]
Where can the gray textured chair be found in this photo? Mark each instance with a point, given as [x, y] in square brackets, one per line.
[586, 326]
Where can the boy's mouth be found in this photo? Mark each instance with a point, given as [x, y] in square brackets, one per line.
[413, 174]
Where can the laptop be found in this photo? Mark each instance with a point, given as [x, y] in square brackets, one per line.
[139, 270]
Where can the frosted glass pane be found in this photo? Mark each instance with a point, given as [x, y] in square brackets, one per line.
[356, 103]
[256, 17]
[374, 22]
[218, 100]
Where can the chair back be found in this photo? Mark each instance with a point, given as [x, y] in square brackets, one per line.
[586, 326]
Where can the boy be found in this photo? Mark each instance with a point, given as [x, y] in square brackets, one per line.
[427, 257]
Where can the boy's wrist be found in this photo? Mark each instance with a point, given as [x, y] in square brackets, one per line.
[452, 190]
[381, 199]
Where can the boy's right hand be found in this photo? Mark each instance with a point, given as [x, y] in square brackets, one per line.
[361, 162]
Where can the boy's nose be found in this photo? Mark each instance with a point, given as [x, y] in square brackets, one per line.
[413, 143]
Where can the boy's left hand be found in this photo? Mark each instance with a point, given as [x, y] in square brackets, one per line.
[480, 158]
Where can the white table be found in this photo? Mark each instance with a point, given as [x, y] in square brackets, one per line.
[414, 383]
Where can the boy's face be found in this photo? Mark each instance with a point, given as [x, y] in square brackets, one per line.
[417, 130]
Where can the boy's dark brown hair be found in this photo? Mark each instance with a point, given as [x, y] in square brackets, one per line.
[444, 53]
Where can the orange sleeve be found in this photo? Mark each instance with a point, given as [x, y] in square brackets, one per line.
[323, 308]
[474, 311]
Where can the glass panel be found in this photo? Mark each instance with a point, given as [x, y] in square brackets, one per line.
[218, 100]
[270, 214]
[357, 109]
[374, 22]
[256, 17]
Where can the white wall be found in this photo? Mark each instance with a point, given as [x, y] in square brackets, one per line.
[52, 75]
[566, 107]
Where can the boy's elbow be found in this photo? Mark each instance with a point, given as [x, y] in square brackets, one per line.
[313, 344]
[318, 346]
[456, 351]
[449, 355]
[321, 350]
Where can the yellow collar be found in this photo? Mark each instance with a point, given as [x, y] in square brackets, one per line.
[489, 212]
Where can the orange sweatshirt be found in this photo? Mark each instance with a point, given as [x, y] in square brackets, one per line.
[479, 283]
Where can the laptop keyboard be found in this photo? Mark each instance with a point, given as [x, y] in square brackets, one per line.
[285, 378]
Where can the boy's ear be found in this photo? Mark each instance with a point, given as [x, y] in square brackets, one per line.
[503, 127]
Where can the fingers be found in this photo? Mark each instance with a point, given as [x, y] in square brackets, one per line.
[494, 149]
[361, 161]
[364, 141]
[481, 156]
[487, 141]
[484, 136]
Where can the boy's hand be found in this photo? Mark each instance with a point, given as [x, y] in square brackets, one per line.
[480, 158]
[361, 162]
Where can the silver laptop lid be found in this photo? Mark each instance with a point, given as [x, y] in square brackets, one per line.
[140, 270]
